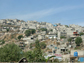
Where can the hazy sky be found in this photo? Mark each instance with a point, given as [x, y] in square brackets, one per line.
[53, 11]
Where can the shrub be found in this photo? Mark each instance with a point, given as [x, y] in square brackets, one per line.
[78, 41]
[20, 36]
[43, 45]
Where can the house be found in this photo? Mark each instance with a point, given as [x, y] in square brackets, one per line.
[29, 40]
[50, 36]
[22, 45]
[43, 23]
[73, 38]
[52, 46]
[62, 34]
[0, 28]
[41, 37]
[82, 38]
[32, 27]
[64, 49]
[43, 32]
[49, 51]
[75, 33]
[77, 55]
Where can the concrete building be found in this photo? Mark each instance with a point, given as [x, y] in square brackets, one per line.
[82, 38]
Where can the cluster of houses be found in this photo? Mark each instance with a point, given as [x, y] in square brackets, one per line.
[56, 45]
[11, 24]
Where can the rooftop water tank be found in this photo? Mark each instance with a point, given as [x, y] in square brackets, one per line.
[54, 25]
[76, 54]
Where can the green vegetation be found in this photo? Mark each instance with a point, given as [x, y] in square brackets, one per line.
[81, 33]
[7, 29]
[29, 32]
[70, 39]
[29, 55]
[51, 29]
[36, 54]
[78, 41]
[66, 26]
[43, 29]
[31, 45]
[10, 52]
[2, 42]
[49, 58]
[62, 37]
[20, 36]
[43, 45]
[78, 47]
[32, 31]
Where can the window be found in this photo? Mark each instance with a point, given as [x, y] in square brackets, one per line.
[54, 51]
[49, 51]
[66, 49]
[61, 50]
[31, 38]
[51, 45]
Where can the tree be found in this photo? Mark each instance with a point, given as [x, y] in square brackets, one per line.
[51, 29]
[31, 45]
[29, 55]
[81, 33]
[78, 41]
[10, 53]
[27, 33]
[7, 29]
[43, 29]
[20, 36]
[70, 39]
[66, 26]
[38, 53]
[2, 42]
[33, 31]
[43, 45]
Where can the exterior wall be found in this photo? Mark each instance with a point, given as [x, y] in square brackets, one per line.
[64, 34]
[70, 33]
[58, 34]
[66, 57]
[3, 29]
[74, 32]
[80, 52]
[51, 36]
[32, 27]
[82, 38]
[1, 21]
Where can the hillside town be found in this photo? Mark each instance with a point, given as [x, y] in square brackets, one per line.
[59, 40]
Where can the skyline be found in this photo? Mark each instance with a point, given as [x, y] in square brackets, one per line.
[63, 11]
